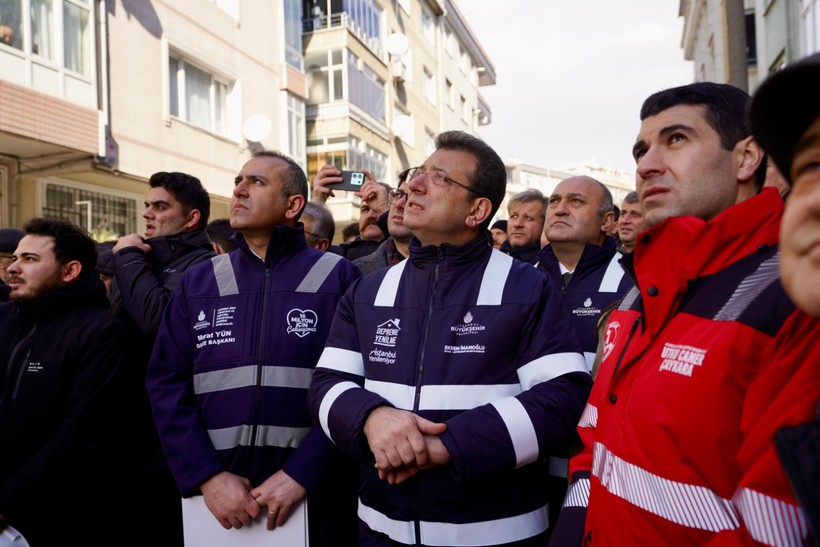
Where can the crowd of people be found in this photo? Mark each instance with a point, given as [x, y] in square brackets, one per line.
[581, 373]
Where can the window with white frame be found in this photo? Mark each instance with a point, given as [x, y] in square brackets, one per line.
[361, 155]
[293, 32]
[405, 5]
[428, 27]
[404, 127]
[465, 110]
[450, 93]
[58, 30]
[429, 142]
[296, 129]
[450, 42]
[231, 7]
[429, 86]
[325, 70]
[810, 26]
[197, 96]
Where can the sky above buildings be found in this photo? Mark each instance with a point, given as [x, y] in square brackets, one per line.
[571, 76]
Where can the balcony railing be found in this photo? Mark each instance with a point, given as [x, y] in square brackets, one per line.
[322, 22]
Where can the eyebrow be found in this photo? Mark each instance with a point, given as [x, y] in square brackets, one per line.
[641, 144]
[568, 195]
[157, 202]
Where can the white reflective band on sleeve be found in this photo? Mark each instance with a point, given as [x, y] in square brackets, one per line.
[613, 275]
[589, 358]
[769, 520]
[342, 360]
[464, 397]
[470, 534]
[390, 286]
[400, 396]
[549, 367]
[495, 279]
[327, 402]
[685, 504]
[520, 428]
[577, 494]
[589, 418]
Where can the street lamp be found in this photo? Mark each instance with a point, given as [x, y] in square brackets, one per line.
[87, 204]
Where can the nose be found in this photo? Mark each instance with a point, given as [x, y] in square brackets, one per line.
[561, 207]
[147, 214]
[240, 190]
[14, 267]
[650, 164]
[417, 185]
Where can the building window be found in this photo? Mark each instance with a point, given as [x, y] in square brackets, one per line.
[810, 26]
[366, 89]
[326, 76]
[450, 93]
[293, 33]
[428, 27]
[450, 42]
[429, 86]
[465, 110]
[360, 155]
[429, 142]
[196, 96]
[231, 7]
[296, 128]
[59, 30]
[112, 215]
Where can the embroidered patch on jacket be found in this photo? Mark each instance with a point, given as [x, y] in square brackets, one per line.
[387, 333]
[468, 327]
[610, 337]
[587, 309]
[681, 359]
[302, 322]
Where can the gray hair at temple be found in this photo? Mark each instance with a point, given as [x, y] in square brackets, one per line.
[323, 223]
[528, 195]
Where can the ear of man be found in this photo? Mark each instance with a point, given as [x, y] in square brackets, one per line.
[747, 156]
[71, 271]
[480, 211]
[295, 205]
[192, 220]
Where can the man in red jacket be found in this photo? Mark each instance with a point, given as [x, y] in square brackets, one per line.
[705, 358]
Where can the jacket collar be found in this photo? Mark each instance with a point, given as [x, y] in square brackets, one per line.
[86, 291]
[284, 240]
[165, 249]
[426, 256]
[592, 257]
[670, 255]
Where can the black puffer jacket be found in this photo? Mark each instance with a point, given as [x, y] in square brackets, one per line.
[60, 415]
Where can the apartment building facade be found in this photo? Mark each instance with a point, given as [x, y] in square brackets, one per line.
[384, 78]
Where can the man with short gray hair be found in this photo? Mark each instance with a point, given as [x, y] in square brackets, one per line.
[527, 211]
[319, 225]
[580, 256]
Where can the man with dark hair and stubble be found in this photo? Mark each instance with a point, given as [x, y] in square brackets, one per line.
[678, 430]
[452, 375]
[233, 361]
[146, 272]
[63, 421]
[219, 233]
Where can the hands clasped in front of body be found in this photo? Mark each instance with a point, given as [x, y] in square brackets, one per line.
[404, 443]
[235, 503]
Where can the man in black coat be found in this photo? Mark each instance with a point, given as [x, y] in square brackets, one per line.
[146, 271]
[61, 411]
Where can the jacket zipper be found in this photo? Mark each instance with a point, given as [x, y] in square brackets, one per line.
[417, 397]
[18, 380]
[259, 361]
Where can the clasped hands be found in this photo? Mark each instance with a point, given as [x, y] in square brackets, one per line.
[235, 503]
[404, 443]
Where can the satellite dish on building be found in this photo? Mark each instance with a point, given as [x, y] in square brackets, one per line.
[257, 127]
[397, 44]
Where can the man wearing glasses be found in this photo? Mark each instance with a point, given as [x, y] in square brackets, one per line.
[395, 248]
[453, 375]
